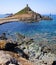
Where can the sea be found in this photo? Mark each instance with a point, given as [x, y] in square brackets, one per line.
[42, 31]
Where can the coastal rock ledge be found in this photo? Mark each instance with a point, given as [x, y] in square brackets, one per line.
[26, 14]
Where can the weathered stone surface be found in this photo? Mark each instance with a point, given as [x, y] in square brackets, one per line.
[44, 57]
[11, 58]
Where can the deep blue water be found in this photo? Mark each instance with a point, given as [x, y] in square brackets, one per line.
[42, 29]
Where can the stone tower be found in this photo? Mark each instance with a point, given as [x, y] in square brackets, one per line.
[28, 8]
[27, 5]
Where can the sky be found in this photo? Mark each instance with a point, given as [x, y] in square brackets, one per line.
[39, 6]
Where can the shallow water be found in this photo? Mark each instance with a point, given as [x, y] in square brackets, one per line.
[42, 30]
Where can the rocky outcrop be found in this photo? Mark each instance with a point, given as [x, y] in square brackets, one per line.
[46, 18]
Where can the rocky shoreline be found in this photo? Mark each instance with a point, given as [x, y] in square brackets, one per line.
[8, 20]
[25, 51]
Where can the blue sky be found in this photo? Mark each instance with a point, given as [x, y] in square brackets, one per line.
[40, 6]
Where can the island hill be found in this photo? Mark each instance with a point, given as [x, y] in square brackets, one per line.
[26, 14]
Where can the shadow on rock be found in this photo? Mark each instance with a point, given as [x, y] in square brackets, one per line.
[12, 61]
[13, 48]
[54, 63]
[10, 46]
[21, 52]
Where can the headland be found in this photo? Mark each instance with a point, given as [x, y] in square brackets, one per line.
[25, 15]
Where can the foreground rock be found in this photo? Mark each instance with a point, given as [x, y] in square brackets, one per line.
[11, 58]
[38, 53]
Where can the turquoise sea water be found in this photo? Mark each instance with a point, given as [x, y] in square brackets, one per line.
[44, 29]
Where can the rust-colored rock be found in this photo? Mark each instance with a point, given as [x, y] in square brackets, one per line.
[2, 44]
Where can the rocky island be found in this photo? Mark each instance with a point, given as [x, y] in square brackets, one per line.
[26, 14]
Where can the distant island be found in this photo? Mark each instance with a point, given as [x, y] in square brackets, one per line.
[26, 14]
